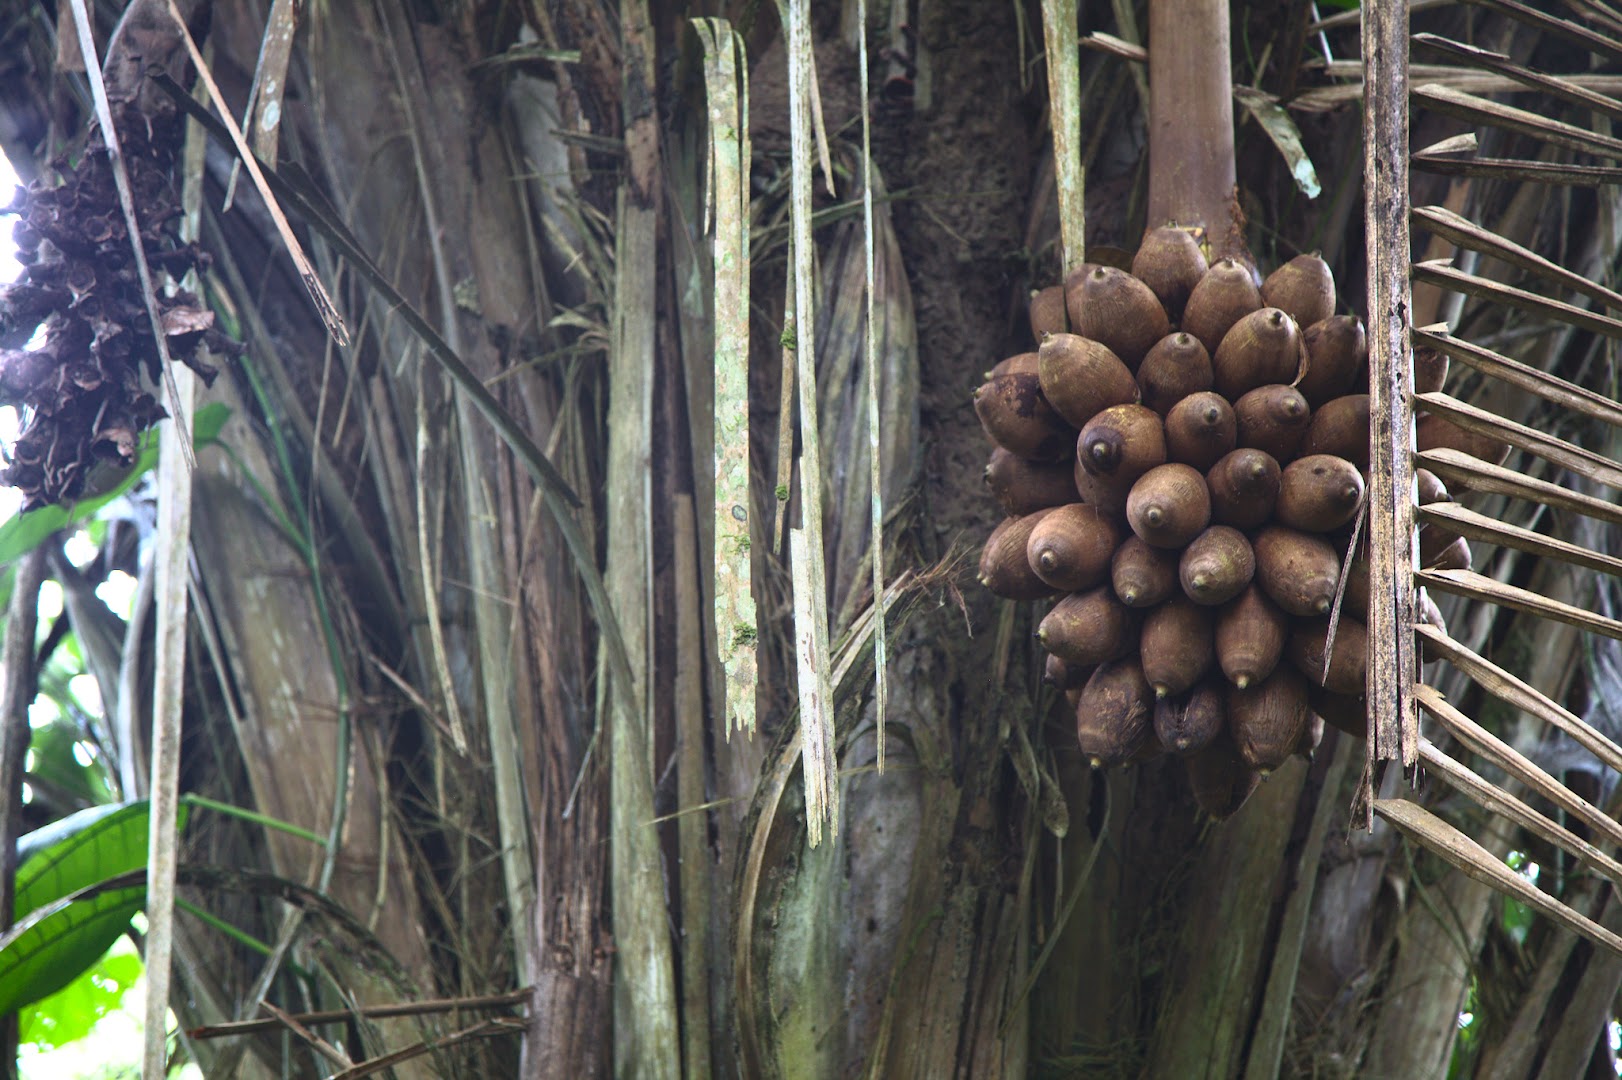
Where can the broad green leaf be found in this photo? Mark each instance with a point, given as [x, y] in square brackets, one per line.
[54, 944]
[80, 850]
[25, 532]
[68, 1015]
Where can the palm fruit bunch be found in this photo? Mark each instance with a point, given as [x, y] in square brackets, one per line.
[81, 393]
[1182, 462]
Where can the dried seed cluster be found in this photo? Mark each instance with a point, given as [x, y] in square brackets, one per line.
[1182, 462]
[81, 391]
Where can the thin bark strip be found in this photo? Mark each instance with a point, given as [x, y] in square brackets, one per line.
[810, 576]
[16, 694]
[646, 1038]
[1191, 174]
[736, 627]
[1392, 661]
[1059, 21]
[174, 543]
[697, 865]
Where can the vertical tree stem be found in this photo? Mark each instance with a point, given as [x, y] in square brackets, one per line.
[1059, 29]
[1191, 174]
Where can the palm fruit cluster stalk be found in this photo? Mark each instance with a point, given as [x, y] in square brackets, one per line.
[80, 392]
[1183, 462]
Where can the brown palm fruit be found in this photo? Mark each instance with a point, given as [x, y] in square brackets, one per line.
[1429, 488]
[1432, 432]
[1430, 370]
[1273, 418]
[1020, 420]
[1088, 628]
[1263, 347]
[1115, 714]
[1454, 556]
[1116, 447]
[1312, 736]
[1250, 637]
[1337, 357]
[1266, 718]
[1176, 646]
[1113, 307]
[1318, 493]
[1072, 696]
[1143, 576]
[1200, 429]
[1071, 548]
[1174, 368]
[1022, 487]
[1062, 676]
[1189, 722]
[1047, 312]
[1348, 666]
[1226, 294]
[1004, 569]
[1244, 488]
[1217, 566]
[1342, 711]
[1340, 427]
[1169, 506]
[1355, 599]
[1019, 364]
[1221, 781]
[1430, 615]
[1298, 571]
[1081, 378]
[1171, 263]
[1304, 287]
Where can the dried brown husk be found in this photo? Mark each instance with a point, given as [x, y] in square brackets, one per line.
[1081, 378]
[1263, 347]
[1175, 367]
[1244, 488]
[1273, 418]
[1319, 493]
[1200, 430]
[1298, 571]
[1071, 548]
[1217, 566]
[1169, 506]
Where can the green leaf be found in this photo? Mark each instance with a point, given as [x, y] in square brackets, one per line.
[25, 532]
[68, 1015]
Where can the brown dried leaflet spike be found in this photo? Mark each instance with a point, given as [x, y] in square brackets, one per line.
[1115, 713]
[1226, 294]
[1263, 347]
[1250, 637]
[1298, 571]
[1169, 506]
[1113, 307]
[1176, 646]
[1189, 723]
[1274, 419]
[1221, 781]
[1341, 427]
[1171, 263]
[1081, 378]
[1175, 367]
[1319, 493]
[1003, 566]
[1047, 312]
[1244, 488]
[1023, 487]
[1217, 566]
[1116, 447]
[1304, 287]
[1348, 667]
[1020, 420]
[1143, 576]
[1337, 357]
[1200, 429]
[1266, 719]
[1088, 628]
[1071, 548]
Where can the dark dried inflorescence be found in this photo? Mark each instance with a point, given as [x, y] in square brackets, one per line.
[81, 392]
